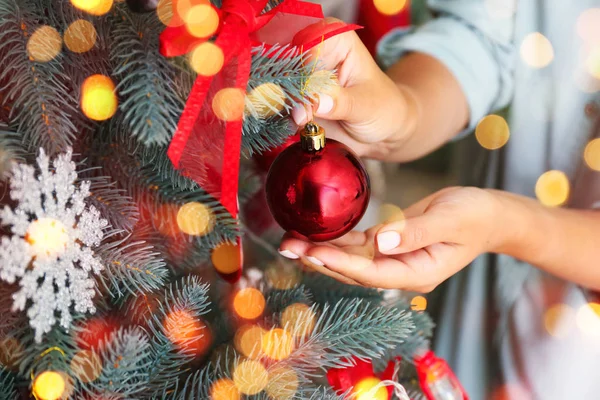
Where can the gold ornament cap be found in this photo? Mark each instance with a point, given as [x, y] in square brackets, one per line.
[312, 137]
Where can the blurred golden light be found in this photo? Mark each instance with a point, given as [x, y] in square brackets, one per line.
[47, 237]
[277, 344]
[588, 25]
[418, 303]
[588, 319]
[591, 154]
[228, 104]
[80, 36]
[10, 352]
[188, 333]
[266, 100]
[282, 277]
[226, 258]
[592, 62]
[44, 44]
[249, 303]
[283, 383]
[98, 98]
[202, 20]
[552, 188]
[164, 219]
[248, 340]
[195, 219]
[49, 385]
[93, 7]
[86, 366]
[536, 50]
[224, 389]
[586, 82]
[558, 320]
[492, 132]
[166, 13]
[250, 377]
[299, 319]
[390, 213]
[207, 59]
[499, 9]
[389, 7]
[364, 390]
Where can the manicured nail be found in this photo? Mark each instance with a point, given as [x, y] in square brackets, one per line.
[387, 241]
[299, 115]
[288, 254]
[325, 104]
[315, 261]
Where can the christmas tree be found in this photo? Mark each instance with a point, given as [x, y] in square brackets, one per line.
[120, 276]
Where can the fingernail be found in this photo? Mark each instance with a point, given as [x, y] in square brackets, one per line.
[288, 254]
[325, 104]
[388, 240]
[299, 115]
[315, 261]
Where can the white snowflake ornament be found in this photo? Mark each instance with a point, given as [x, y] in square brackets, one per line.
[50, 252]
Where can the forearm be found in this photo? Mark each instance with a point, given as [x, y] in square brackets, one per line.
[562, 242]
[439, 106]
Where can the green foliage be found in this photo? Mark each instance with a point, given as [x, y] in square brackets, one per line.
[278, 300]
[327, 290]
[11, 151]
[7, 385]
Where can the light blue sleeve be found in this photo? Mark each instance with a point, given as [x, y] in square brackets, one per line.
[476, 46]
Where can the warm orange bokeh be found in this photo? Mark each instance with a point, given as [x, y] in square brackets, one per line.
[249, 303]
[226, 258]
[188, 333]
[98, 98]
[224, 389]
[277, 344]
[248, 340]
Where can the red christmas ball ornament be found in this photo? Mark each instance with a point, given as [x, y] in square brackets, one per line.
[317, 189]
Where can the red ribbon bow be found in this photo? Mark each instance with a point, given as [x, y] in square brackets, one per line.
[206, 146]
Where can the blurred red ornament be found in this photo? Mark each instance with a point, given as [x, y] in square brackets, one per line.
[96, 331]
[263, 161]
[256, 215]
[320, 191]
[437, 380]
[344, 379]
[142, 6]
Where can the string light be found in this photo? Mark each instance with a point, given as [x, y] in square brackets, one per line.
[283, 383]
[48, 237]
[299, 319]
[536, 50]
[201, 20]
[98, 98]
[277, 344]
[195, 219]
[228, 104]
[492, 132]
[44, 44]
[364, 390]
[93, 7]
[552, 188]
[226, 258]
[250, 377]
[588, 319]
[248, 340]
[86, 366]
[224, 389]
[249, 303]
[80, 36]
[207, 59]
[591, 154]
[558, 320]
[266, 100]
[49, 385]
[187, 332]
[389, 7]
[418, 303]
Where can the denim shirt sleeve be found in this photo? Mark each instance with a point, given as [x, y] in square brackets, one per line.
[475, 45]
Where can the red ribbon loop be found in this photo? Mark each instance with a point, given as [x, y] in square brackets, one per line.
[242, 9]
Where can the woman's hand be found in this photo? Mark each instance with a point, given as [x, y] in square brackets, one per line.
[436, 237]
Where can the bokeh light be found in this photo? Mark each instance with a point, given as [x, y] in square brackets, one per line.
[283, 277]
[552, 188]
[588, 25]
[11, 351]
[584, 81]
[164, 219]
[588, 319]
[536, 50]
[95, 331]
[98, 98]
[592, 62]
[277, 344]
[364, 390]
[492, 132]
[47, 237]
[226, 258]
[591, 154]
[418, 303]
[389, 7]
[228, 104]
[501, 9]
[266, 100]
[224, 389]
[195, 219]
[165, 11]
[80, 36]
[187, 332]
[299, 319]
[249, 303]
[86, 366]
[44, 44]
[49, 385]
[250, 377]
[207, 59]
[93, 7]
[283, 383]
[248, 340]
[201, 20]
[558, 320]
[390, 213]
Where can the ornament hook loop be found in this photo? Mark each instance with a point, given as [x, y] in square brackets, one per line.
[312, 137]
